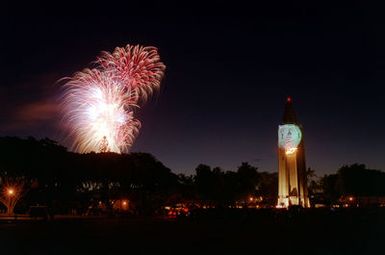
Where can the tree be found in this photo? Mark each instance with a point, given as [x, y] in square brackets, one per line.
[268, 187]
[203, 181]
[248, 179]
[67, 180]
[358, 180]
[329, 188]
[12, 190]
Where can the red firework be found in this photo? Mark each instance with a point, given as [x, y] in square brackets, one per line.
[138, 67]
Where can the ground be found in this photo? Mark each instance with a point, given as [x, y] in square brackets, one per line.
[249, 233]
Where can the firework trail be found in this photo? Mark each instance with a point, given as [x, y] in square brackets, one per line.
[99, 103]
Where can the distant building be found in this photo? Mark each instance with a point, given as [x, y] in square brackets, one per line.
[292, 189]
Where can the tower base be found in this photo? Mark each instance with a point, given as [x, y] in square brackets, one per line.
[285, 202]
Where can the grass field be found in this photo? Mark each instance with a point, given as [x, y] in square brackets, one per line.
[348, 232]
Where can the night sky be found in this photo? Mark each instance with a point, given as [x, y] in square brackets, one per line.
[229, 71]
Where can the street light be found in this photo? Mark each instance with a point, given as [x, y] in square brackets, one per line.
[10, 192]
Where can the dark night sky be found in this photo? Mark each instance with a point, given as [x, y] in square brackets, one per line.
[229, 70]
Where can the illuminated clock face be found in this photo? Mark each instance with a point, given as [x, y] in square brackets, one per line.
[289, 137]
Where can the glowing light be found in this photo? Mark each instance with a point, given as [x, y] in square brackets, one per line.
[10, 191]
[290, 151]
[99, 103]
[350, 198]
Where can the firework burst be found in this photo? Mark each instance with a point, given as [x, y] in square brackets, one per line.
[138, 67]
[99, 103]
[100, 112]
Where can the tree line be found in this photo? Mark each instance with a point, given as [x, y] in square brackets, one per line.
[64, 180]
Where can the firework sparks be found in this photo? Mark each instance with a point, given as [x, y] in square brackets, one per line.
[100, 113]
[138, 67]
[99, 103]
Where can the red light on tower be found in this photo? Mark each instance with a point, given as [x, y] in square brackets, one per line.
[289, 99]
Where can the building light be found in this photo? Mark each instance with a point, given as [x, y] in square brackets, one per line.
[290, 151]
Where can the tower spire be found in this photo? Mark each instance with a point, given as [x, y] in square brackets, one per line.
[289, 116]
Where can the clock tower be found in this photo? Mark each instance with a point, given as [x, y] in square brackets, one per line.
[292, 185]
